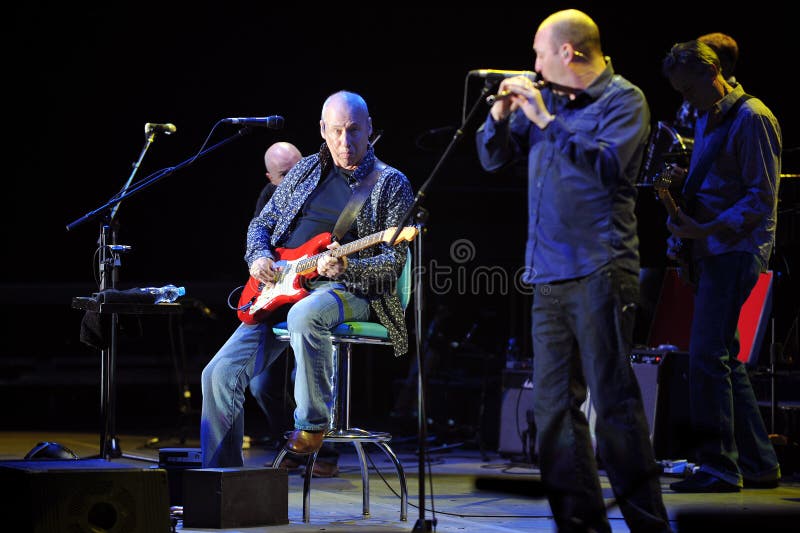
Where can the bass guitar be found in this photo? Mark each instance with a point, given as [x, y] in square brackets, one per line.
[295, 266]
[667, 179]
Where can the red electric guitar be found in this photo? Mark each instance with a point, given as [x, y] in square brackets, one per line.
[296, 265]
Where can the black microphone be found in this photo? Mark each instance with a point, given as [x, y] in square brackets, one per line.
[492, 73]
[166, 129]
[275, 122]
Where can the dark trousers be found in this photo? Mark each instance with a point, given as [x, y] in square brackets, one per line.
[726, 420]
[273, 391]
[582, 332]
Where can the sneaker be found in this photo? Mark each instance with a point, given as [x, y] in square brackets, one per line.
[703, 482]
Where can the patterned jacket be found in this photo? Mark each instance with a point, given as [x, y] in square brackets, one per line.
[374, 272]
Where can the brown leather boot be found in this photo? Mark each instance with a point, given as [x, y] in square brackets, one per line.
[303, 442]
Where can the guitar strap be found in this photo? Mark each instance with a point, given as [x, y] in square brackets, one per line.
[360, 194]
[697, 174]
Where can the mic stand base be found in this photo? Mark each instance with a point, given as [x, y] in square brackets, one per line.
[424, 525]
[113, 448]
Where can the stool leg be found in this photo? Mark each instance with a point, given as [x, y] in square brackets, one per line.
[401, 475]
[364, 478]
[306, 480]
[279, 458]
[307, 486]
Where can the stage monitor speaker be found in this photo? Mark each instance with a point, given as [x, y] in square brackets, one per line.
[515, 437]
[517, 424]
[235, 497]
[66, 496]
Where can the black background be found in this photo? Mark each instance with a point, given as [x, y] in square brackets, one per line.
[80, 83]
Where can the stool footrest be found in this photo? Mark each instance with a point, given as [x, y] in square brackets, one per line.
[351, 434]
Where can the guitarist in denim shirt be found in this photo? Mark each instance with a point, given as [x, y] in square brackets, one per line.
[731, 224]
[727, 50]
[307, 202]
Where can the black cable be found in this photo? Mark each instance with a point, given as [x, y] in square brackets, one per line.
[432, 509]
[430, 486]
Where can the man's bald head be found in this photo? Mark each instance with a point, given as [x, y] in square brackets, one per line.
[279, 159]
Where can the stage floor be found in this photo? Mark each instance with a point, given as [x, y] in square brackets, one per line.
[456, 473]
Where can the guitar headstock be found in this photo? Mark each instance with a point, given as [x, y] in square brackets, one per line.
[663, 180]
[661, 186]
[408, 233]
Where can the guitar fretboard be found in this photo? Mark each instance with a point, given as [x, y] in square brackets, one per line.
[310, 263]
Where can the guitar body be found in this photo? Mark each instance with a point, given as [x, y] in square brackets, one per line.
[256, 304]
[683, 252]
[298, 265]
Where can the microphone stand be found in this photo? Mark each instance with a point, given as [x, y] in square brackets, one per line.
[420, 216]
[109, 263]
[150, 136]
[153, 178]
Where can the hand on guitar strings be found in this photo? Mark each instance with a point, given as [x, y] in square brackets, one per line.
[329, 266]
[685, 227]
[263, 269]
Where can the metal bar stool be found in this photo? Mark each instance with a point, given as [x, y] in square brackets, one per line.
[344, 337]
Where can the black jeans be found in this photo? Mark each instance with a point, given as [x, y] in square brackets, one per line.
[582, 332]
[726, 420]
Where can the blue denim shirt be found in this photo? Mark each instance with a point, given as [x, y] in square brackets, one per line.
[741, 185]
[581, 173]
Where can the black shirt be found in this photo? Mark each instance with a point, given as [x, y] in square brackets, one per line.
[322, 208]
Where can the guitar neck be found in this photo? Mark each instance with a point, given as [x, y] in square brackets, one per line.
[668, 201]
[665, 180]
[310, 263]
[360, 244]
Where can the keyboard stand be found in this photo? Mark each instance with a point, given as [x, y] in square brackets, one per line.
[109, 443]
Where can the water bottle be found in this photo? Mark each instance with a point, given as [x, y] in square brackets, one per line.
[512, 353]
[167, 293]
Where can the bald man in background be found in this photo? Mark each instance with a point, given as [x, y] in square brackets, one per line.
[279, 158]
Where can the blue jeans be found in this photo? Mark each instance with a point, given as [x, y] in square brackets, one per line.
[252, 349]
[732, 440]
[270, 390]
[582, 332]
